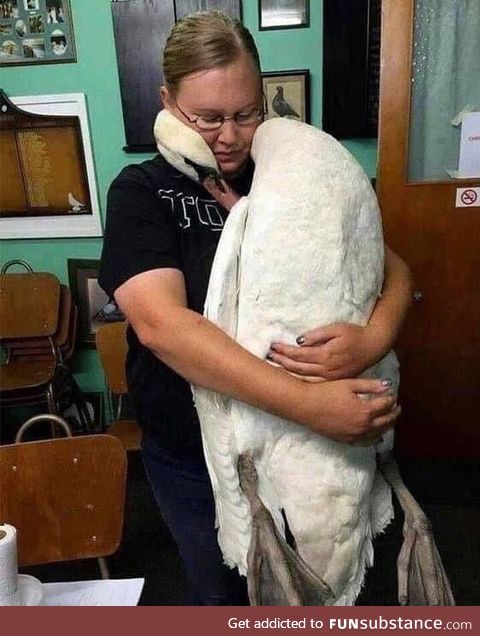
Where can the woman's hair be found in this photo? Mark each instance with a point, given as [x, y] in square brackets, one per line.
[202, 41]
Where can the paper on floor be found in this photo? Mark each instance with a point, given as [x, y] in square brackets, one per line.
[117, 592]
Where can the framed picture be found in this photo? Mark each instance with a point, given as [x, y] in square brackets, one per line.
[95, 308]
[351, 67]
[287, 94]
[230, 7]
[36, 32]
[47, 196]
[94, 403]
[283, 14]
[141, 28]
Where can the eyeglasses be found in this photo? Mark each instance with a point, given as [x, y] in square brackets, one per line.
[215, 122]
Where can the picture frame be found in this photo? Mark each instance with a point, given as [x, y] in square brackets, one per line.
[141, 28]
[351, 67]
[287, 94]
[230, 7]
[36, 32]
[95, 404]
[46, 225]
[94, 306]
[283, 14]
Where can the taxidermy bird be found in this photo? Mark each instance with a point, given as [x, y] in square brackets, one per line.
[282, 107]
[314, 234]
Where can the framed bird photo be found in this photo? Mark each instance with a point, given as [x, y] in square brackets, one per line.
[287, 94]
[47, 167]
[95, 308]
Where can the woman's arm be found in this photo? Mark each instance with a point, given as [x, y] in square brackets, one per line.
[391, 308]
[343, 350]
[155, 305]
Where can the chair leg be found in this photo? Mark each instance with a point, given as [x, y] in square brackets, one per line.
[80, 403]
[104, 571]
[52, 408]
[119, 407]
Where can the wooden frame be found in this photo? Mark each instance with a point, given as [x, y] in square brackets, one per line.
[50, 226]
[287, 92]
[283, 14]
[36, 32]
[94, 306]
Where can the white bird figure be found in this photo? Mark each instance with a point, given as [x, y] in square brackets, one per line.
[75, 206]
[307, 192]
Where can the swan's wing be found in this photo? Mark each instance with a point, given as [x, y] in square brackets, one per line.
[221, 304]
[221, 307]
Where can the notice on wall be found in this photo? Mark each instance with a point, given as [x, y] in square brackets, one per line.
[469, 160]
[467, 198]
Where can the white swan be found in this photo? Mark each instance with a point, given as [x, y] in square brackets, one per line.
[304, 249]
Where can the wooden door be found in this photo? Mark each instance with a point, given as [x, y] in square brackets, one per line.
[439, 349]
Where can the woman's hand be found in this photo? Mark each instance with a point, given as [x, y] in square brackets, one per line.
[350, 411]
[344, 350]
[337, 351]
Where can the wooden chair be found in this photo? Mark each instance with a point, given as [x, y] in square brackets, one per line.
[63, 338]
[112, 348]
[38, 333]
[30, 309]
[64, 496]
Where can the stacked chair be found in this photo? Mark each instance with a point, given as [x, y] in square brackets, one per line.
[112, 348]
[37, 332]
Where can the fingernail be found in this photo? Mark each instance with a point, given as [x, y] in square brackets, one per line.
[387, 382]
[269, 356]
[300, 340]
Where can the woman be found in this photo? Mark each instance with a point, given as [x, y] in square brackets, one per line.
[161, 234]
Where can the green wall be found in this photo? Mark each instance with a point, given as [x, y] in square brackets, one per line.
[95, 74]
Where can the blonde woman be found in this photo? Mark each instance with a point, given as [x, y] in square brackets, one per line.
[162, 230]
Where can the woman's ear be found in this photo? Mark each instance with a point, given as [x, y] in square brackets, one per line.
[167, 99]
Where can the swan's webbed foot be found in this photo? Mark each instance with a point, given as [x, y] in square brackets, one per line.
[276, 574]
[422, 579]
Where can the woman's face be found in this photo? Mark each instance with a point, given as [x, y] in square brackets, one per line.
[224, 91]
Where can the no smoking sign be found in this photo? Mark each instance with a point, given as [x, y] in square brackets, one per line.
[467, 198]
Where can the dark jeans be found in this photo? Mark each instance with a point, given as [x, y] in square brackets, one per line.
[183, 492]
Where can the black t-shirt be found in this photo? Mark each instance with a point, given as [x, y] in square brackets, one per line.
[158, 217]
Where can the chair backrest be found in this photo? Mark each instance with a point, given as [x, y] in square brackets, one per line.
[65, 497]
[112, 348]
[63, 339]
[30, 305]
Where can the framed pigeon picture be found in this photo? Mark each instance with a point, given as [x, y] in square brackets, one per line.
[287, 94]
[95, 308]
